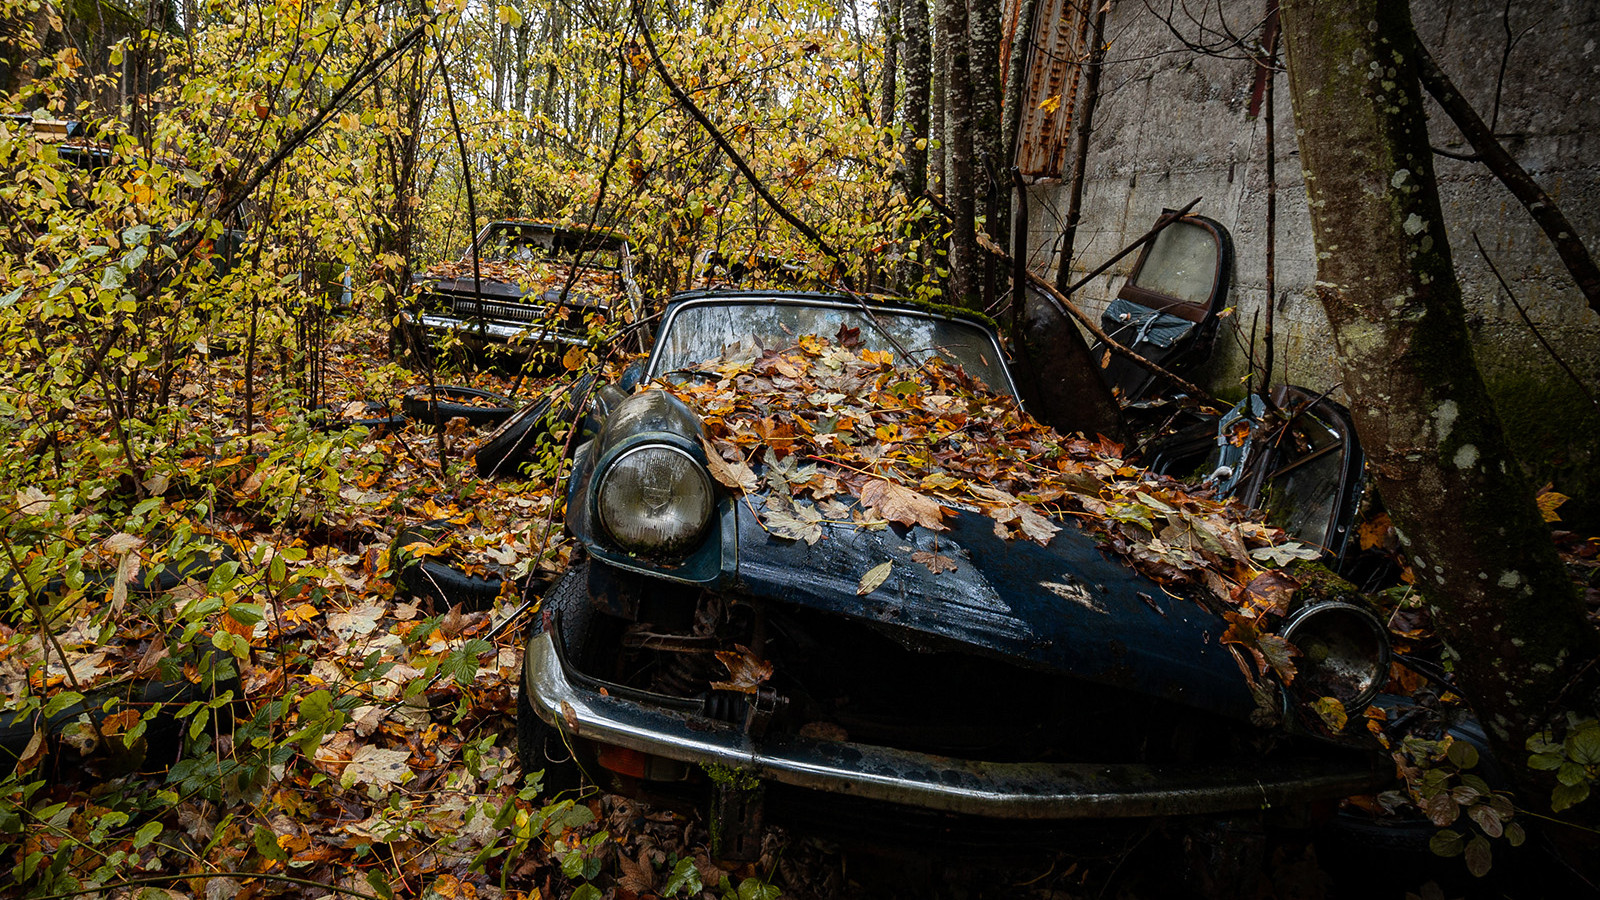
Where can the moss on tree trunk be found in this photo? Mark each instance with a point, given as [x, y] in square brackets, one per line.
[1481, 552]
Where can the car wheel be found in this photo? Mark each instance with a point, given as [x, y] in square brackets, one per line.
[164, 734]
[450, 586]
[16, 732]
[198, 564]
[445, 584]
[376, 417]
[541, 746]
[443, 403]
[512, 444]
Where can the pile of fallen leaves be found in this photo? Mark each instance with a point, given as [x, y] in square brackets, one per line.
[829, 433]
[374, 752]
[824, 423]
[530, 276]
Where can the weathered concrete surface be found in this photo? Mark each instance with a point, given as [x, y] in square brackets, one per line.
[1173, 124]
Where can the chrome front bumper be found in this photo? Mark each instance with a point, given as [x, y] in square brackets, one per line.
[995, 790]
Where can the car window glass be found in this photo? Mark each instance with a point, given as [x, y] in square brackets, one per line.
[1181, 264]
[1303, 498]
[526, 245]
[700, 333]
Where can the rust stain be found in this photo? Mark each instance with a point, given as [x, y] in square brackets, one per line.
[1056, 53]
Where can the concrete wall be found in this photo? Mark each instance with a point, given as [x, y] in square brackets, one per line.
[1174, 125]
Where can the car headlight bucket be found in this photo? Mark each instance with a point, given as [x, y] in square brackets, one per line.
[1344, 653]
[655, 499]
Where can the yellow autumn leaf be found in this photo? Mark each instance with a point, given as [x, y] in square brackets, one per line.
[574, 358]
[874, 579]
[1051, 103]
[142, 193]
[1332, 712]
[1549, 501]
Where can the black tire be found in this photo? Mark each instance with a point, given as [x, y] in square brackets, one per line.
[511, 446]
[164, 733]
[449, 586]
[16, 732]
[437, 580]
[444, 403]
[198, 564]
[375, 417]
[566, 764]
[540, 748]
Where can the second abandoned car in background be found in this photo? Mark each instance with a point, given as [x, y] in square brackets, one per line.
[540, 289]
[1008, 681]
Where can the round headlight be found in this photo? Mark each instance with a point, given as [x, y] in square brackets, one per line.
[655, 499]
[1344, 653]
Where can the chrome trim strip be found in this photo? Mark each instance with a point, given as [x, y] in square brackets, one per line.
[497, 330]
[996, 790]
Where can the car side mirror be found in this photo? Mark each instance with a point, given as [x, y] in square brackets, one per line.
[631, 378]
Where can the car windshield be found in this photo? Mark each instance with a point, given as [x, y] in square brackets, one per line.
[516, 244]
[700, 332]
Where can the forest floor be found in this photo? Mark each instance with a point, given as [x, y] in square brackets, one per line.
[373, 752]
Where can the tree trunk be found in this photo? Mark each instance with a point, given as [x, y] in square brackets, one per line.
[519, 92]
[1481, 552]
[1016, 81]
[958, 126]
[914, 134]
[993, 172]
[918, 68]
[891, 66]
[936, 108]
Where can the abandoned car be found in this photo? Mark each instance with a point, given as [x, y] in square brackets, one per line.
[755, 617]
[538, 288]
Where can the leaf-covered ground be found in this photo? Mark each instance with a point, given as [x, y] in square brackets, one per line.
[358, 736]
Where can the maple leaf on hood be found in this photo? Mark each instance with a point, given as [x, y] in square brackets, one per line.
[733, 474]
[898, 503]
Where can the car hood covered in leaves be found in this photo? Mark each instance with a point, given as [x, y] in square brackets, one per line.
[911, 498]
[1065, 607]
[591, 291]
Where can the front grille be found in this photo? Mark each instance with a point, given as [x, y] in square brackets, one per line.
[843, 679]
[534, 316]
[498, 309]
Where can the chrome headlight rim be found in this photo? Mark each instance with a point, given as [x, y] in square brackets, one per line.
[683, 545]
[1302, 619]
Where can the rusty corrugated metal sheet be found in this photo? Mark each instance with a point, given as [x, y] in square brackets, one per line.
[1055, 63]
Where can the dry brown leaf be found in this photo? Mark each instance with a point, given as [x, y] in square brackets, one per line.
[746, 671]
[1036, 527]
[376, 766]
[934, 561]
[898, 503]
[32, 753]
[1269, 592]
[638, 876]
[732, 475]
[1375, 532]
